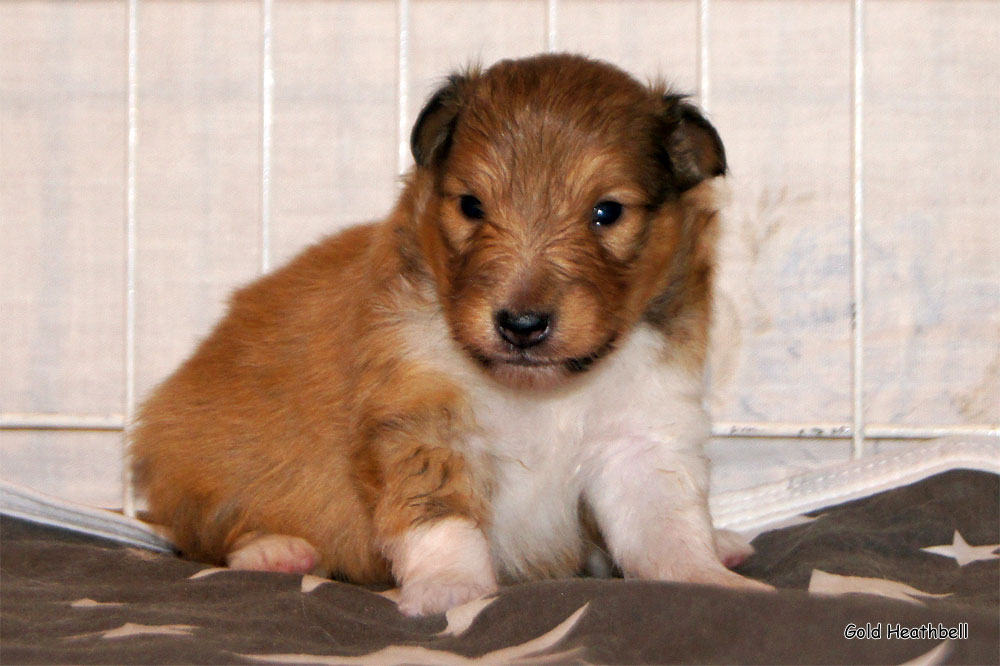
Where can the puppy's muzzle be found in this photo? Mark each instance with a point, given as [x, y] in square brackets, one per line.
[523, 329]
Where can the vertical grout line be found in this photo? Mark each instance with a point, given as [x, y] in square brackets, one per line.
[403, 85]
[552, 25]
[704, 85]
[266, 126]
[857, 230]
[128, 492]
[704, 80]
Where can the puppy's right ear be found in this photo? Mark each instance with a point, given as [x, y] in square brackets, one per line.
[692, 146]
[431, 136]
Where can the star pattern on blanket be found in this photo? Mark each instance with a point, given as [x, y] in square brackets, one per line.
[133, 629]
[461, 617]
[458, 618]
[834, 585]
[536, 651]
[90, 603]
[963, 553]
[310, 582]
[210, 571]
[130, 629]
[933, 658]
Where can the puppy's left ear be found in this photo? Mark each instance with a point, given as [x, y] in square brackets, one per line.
[693, 148]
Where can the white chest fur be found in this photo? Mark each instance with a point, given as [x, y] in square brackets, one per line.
[634, 416]
[547, 450]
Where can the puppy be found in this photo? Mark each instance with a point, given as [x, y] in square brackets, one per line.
[503, 372]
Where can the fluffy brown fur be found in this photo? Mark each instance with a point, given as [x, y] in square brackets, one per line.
[312, 410]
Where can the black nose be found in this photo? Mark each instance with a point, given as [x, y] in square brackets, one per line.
[522, 329]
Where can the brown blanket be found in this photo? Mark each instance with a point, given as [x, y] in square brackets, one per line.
[71, 599]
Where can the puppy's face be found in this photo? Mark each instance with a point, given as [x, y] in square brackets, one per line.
[553, 209]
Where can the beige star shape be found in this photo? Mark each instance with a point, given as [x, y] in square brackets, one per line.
[963, 553]
[538, 650]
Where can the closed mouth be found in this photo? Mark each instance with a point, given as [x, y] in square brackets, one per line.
[520, 361]
[527, 362]
[575, 365]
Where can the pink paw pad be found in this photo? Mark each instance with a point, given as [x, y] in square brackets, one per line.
[275, 552]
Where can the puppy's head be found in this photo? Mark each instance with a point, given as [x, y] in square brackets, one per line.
[552, 208]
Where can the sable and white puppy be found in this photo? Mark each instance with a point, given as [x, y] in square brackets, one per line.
[503, 372]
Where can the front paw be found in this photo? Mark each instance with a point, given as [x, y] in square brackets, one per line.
[428, 596]
[441, 565]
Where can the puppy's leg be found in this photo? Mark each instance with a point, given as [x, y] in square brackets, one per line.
[442, 564]
[258, 551]
[429, 524]
[650, 499]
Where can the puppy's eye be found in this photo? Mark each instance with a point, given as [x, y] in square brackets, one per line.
[471, 207]
[606, 213]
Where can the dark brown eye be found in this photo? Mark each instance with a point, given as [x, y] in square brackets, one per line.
[471, 207]
[606, 213]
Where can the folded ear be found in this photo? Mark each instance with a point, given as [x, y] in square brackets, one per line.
[431, 136]
[692, 146]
